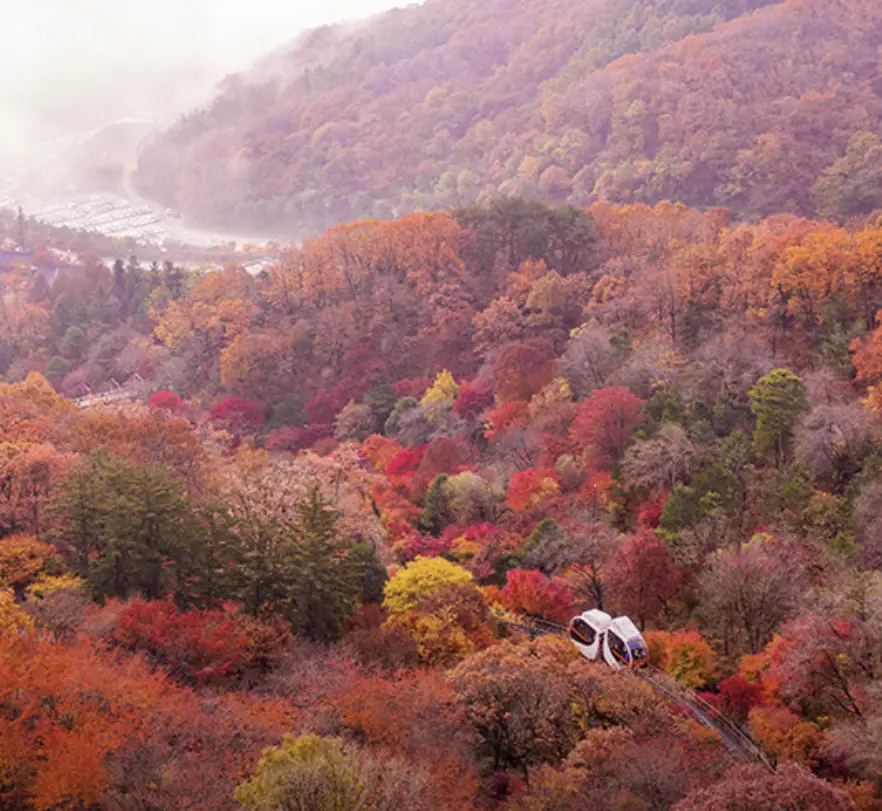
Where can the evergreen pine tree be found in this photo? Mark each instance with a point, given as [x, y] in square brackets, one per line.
[777, 400]
[127, 528]
[435, 514]
[324, 578]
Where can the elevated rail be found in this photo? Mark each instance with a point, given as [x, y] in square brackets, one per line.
[117, 394]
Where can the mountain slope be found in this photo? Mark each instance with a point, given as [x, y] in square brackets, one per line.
[455, 100]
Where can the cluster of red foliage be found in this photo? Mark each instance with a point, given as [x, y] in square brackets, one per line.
[197, 646]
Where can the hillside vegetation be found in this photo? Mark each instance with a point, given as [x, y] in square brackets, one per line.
[777, 109]
[351, 464]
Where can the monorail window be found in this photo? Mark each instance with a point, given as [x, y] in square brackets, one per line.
[639, 652]
[582, 632]
[617, 646]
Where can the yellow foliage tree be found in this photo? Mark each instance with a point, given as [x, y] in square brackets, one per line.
[320, 768]
[328, 774]
[436, 603]
[22, 557]
[50, 584]
[443, 390]
[420, 579]
[12, 618]
[439, 638]
[38, 393]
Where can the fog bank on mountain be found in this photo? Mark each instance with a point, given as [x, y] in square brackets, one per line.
[73, 67]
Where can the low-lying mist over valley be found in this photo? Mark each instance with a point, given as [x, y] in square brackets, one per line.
[85, 83]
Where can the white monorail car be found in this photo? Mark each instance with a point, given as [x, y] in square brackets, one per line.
[597, 636]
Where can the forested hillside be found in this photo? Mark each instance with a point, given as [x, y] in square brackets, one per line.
[455, 101]
[355, 466]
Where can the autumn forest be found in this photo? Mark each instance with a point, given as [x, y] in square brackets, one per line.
[290, 569]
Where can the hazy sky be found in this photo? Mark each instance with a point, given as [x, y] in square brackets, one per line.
[66, 63]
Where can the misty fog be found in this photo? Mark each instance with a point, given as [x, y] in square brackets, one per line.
[72, 65]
